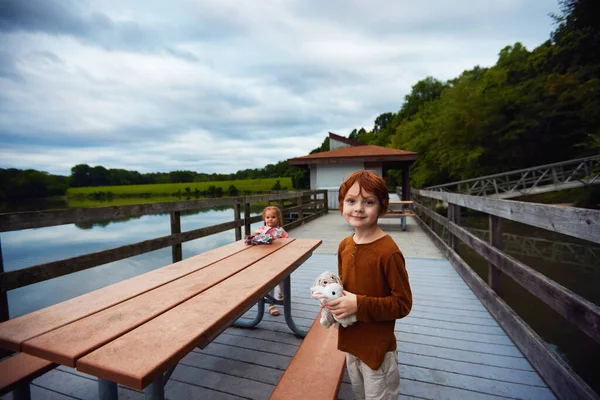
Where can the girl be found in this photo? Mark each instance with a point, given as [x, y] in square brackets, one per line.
[273, 219]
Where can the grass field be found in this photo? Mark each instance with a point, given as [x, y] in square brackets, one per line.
[167, 189]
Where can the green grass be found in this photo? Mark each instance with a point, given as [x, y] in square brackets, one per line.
[166, 189]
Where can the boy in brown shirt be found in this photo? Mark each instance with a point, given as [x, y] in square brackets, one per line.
[373, 273]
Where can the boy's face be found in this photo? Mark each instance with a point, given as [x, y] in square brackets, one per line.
[360, 208]
[271, 219]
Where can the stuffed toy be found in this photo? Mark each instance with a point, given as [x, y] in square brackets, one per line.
[330, 292]
[326, 278]
[265, 235]
[322, 280]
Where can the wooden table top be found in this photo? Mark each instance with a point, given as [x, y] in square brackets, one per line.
[134, 330]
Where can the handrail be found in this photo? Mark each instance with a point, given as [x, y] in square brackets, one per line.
[534, 180]
[577, 222]
[516, 171]
[582, 313]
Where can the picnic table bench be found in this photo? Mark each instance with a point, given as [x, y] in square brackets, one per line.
[135, 332]
[403, 212]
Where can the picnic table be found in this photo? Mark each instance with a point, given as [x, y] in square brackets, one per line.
[402, 213]
[135, 332]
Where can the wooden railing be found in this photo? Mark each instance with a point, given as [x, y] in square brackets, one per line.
[313, 202]
[583, 314]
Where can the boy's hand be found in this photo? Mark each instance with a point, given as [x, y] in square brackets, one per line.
[344, 306]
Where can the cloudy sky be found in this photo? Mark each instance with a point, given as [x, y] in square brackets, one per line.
[220, 85]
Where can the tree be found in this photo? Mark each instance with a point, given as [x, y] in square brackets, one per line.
[80, 176]
[382, 121]
[422, 92]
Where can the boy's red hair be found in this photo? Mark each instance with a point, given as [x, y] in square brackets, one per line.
[370, 183]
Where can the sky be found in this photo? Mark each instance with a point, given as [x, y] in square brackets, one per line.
[221, 86]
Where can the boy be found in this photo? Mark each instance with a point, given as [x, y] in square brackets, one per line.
[374, 276]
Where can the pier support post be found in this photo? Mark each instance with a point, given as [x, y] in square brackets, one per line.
[246, 218]
[237, 217]
[494, 274]
[176, 228]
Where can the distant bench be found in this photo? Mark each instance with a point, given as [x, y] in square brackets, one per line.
[316, 370]
[401, 213]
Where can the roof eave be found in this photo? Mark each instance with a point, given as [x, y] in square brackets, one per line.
[349, 159]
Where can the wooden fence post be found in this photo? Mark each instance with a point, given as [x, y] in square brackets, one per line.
[454, 216]
[326, 199]
[300, 213]
[237, 218]
[494, 274]
[176, 228]
[3, 296]
[246, 218]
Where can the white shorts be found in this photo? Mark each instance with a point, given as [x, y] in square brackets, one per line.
[380, 384]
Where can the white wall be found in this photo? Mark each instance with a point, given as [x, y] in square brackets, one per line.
[313, 176]
[334, 144]
[331, 176]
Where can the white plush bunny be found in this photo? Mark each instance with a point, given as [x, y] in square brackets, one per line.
[322, 280]
[330, 292]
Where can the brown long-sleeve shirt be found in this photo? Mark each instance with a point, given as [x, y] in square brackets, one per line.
[375, 272]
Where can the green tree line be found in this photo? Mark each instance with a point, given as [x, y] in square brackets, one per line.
[18, 184]
[530, 108]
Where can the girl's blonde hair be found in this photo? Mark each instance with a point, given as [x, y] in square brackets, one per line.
[277, 212]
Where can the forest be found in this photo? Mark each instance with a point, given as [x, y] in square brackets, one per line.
[532, 107]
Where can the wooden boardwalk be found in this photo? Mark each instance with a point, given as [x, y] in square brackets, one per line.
[449, 346]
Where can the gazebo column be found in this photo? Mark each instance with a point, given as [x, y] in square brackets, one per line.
[405, 183]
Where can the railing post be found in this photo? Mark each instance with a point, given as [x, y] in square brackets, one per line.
[300, 213]
[326, 199]
[494, 274]
[237, 218]
[453, 216]
[176, 228]
[3, 296]
[246, 218]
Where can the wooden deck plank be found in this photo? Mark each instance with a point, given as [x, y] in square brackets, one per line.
[480, 385]
[221, 382]
[466, 368]
[401, 329]
[234, 367]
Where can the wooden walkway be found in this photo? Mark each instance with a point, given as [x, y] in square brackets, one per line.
[449, 346]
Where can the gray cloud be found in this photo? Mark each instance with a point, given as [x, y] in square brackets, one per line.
[217, 85]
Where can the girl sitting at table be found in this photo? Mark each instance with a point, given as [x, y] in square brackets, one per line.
[272, 219]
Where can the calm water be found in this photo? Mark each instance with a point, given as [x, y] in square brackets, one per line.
[30, 247]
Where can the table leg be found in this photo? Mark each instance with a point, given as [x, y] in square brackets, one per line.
[259, 316]
[107, 390]
[22, 392]
[287, 308]
[155, 390]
